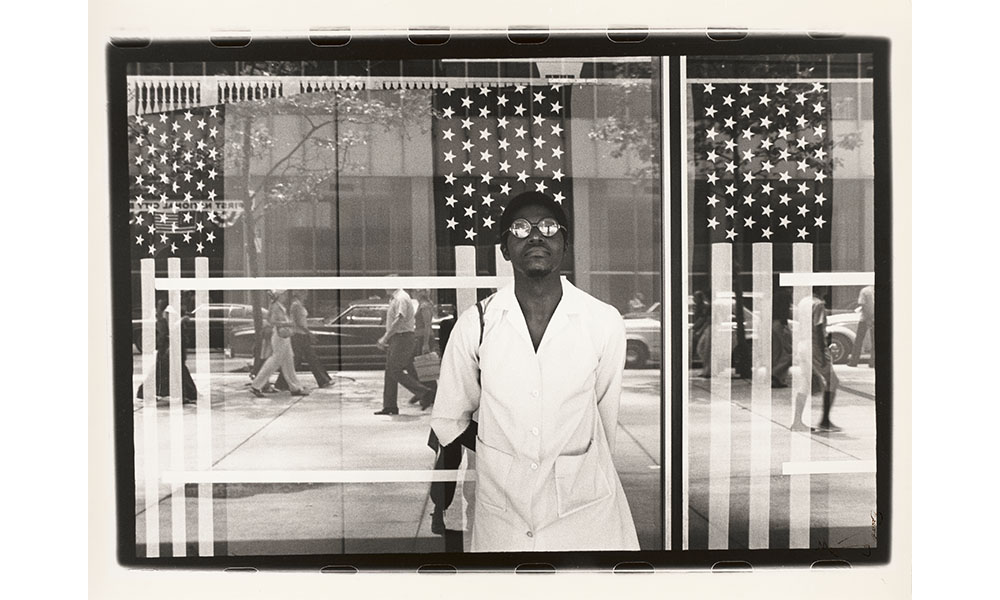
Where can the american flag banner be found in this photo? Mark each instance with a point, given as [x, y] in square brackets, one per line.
[490, 144]
[763, 156]
[177, 212]
[763, 182]
[176, 191]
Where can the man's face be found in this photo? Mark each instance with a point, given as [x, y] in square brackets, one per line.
[535, 255]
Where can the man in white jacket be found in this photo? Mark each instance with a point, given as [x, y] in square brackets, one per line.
[544, 371]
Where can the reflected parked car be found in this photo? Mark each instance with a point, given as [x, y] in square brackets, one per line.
[348, 340]
[642, 337]
[644, 345]
[223, 319]
[843, 331]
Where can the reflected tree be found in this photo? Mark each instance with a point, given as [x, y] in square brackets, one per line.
[269, 177]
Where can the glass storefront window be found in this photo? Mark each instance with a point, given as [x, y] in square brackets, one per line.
[357, 175]
[733, 197]
[779, 276]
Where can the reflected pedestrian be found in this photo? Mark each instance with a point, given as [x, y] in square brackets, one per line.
[866, 325]
[423, 319]
[302, 343]
[821, 374]
[189, 391]
[282, 357]
[423, 323]
[262, 350]
[399, 342]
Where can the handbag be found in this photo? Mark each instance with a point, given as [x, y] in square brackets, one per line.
[428, 366]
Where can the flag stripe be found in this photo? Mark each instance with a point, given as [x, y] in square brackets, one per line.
[843, 278]
[720, 451]
[462, 280]
[204, 415]
[760, 400]
[799, 485]
[211, 476]
[583, 256]
[150, 452]
[817, 467]
[465, 264]
[178, 516]
[505, 270]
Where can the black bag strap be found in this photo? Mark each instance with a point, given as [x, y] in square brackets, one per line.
[481, 307]
[468, 437]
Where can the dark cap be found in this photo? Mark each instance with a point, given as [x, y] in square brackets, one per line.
[532, 199]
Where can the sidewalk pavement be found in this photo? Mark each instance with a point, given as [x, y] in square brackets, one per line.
[842, 505]
[333, 429]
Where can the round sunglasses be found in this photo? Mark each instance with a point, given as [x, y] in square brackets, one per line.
[521, 228]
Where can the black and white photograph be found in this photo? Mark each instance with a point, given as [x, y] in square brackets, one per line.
[478, 308]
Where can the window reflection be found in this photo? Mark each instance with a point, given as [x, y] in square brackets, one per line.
[772, 318]
[321, 174]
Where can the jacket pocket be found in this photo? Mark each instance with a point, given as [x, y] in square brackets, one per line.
[493, 468]
[580, 481]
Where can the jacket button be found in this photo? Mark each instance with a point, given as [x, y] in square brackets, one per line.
[531, 534]
[534, 466]
[534, 431]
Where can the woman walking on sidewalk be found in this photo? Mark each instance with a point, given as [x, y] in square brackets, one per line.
[822, 378]
[281, 357]
[302, 343]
